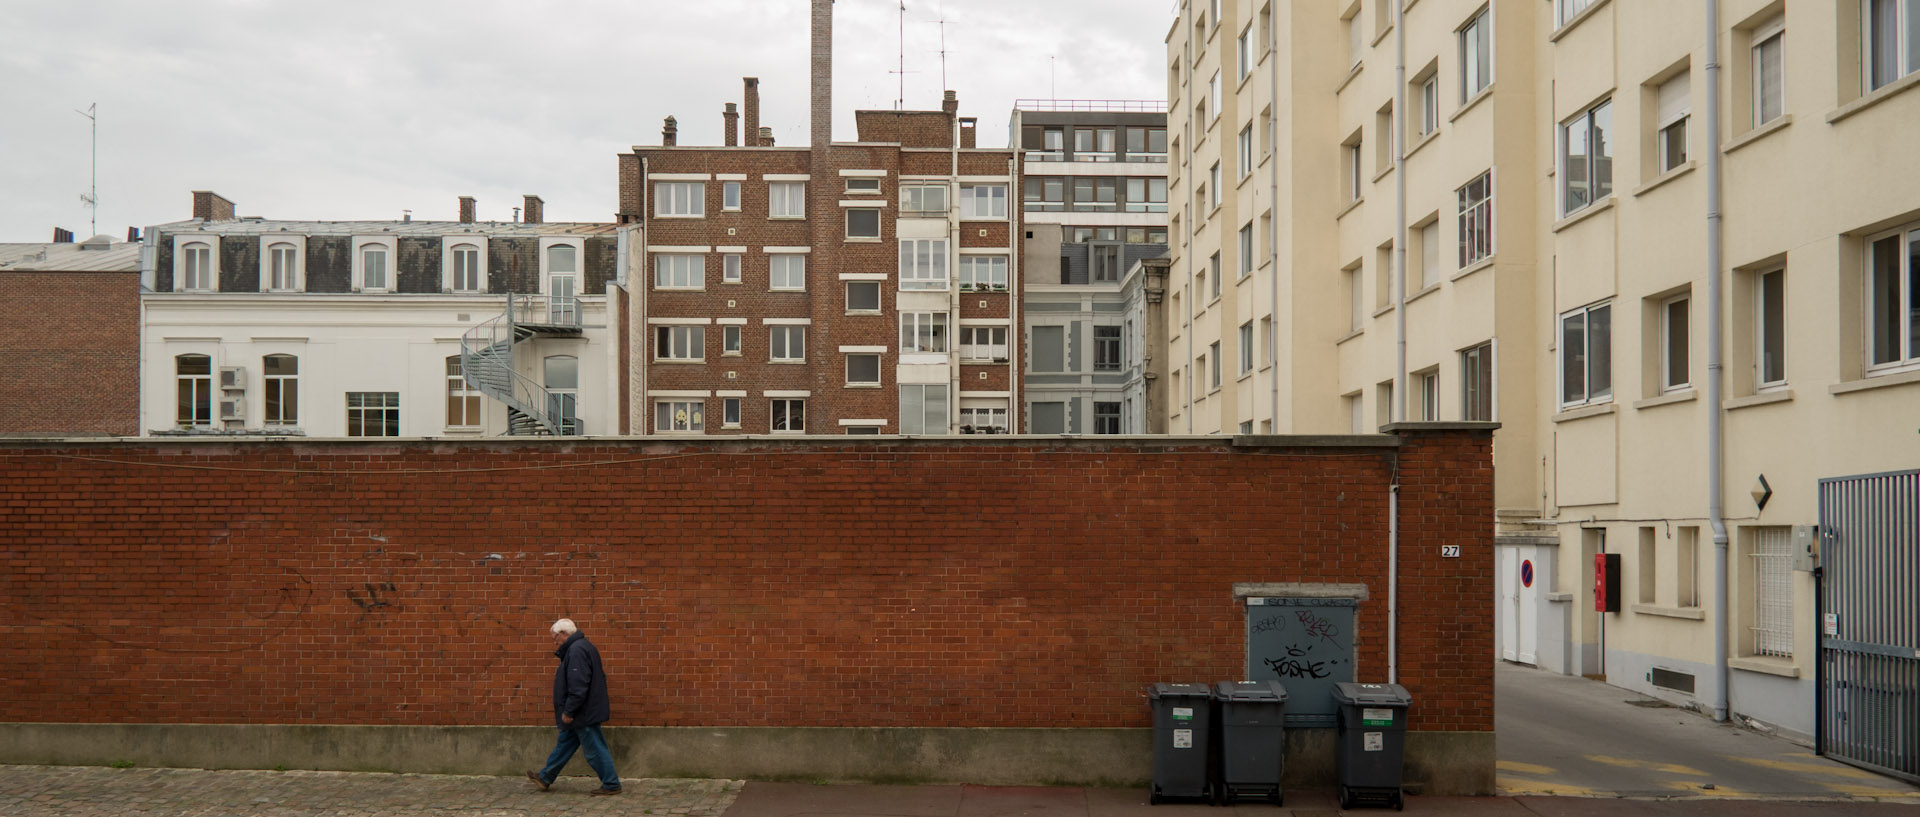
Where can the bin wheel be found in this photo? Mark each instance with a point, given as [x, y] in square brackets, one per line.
[1222, 795]
[1346, 798]
[1279, 798]
[1399, 801]
[1153, 797]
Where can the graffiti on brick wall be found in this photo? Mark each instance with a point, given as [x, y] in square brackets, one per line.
[1306, 647]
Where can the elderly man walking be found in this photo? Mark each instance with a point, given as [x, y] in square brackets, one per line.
[579, 707]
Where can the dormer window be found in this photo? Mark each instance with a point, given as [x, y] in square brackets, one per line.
[282, 264]
[196, 263]
[373, 264]
[463, 264]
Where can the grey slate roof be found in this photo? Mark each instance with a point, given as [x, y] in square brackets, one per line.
[121, 256]
[497, 229]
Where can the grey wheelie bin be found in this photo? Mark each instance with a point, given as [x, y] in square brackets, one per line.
[1252, 738]
[1182, 724]
[1370, 743]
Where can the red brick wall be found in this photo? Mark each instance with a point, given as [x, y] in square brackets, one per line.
[71, 342]
[1010, 583]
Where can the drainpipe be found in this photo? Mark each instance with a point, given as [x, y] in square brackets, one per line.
[1186, 57]
[1399, 408]
[953, 278]
[1273, 206]
[1014, 289]
[1715, 511]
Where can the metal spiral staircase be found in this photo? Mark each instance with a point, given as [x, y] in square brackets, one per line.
[486, 361]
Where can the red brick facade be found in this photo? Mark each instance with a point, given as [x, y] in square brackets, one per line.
[1005, 583]
[71, 342]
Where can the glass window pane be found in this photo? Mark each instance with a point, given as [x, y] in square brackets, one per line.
[1883, 300]
[1573, 358]
[1677, 343]
[1600, 345]
[1913, 295]
[1773, 340]
[1574, 191]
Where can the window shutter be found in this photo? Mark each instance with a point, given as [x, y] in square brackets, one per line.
[1673, 99]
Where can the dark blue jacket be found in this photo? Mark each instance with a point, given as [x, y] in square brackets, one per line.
[579, 684]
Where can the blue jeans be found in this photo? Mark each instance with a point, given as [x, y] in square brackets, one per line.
[598, 756]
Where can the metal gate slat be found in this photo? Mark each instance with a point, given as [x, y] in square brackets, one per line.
[1869, 695]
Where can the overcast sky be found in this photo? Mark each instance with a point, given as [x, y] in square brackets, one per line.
[350, 109]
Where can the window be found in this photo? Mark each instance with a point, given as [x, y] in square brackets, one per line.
[463, 400]
[1383, 159]
[1476, 383]
[863, 370]
[863, 184]
[1356, 45]
[679, 271]
[1243, 51]
[1430, 105]
[1476, 55]
[729, 197]
[1889, 40]
[374, 269]
[466, 268]
[1214, 190]
[1586, 355]
[863, 296]
[563, 284]
[924, 332]
[1093, 144]
[789, 416]
[730, 341]
[1213, 368]
[983, 271]
[1106, 418]
[923, 263]
[196, 267]
[1213, 272]
[986, 419]
[1770, 328]
[1671, 122]
[373, 414]
[195, 376]
[730, 268]
[682, 415]
[983, 342]
[1146, 144]
[1246, 251]
[1356, 413]
[787, 200]
[1105, 260]
[1893, 299]
[682, 199]
[923, 409]
[1772, 571]
[923, 198]
[562, 381]
[679, 343]
[1354, 189]
[863, 223]
[1570, 9]
[985, 201]
[729, 412]
[282, 396]
[1213, 96]
[1586, 158]
[787, 272]
[1245, 155]
[1476, 220]
[283, 262]
[1674, 344]
[1246, 347]
[1356, 298]
[788, 344]
[1429, 385]
[1769, 96]
[1048, 194]
[1430, 254]
[1049, 349]
[1147, 195]
[1096, 195]
[1106, 349]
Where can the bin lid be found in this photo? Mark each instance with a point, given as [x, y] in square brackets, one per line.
[1248, 691]
[1165, 690]
[1372, 694]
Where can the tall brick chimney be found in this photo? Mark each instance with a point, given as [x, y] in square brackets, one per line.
[211, 206]
[531, 214]
[950, 103]
[732, 119]
[822, 114]
[752, 105]
[969, 131]
[466, 209]
[670, 132]
[766, 137]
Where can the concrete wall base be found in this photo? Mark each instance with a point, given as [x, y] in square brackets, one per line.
[1447, 763]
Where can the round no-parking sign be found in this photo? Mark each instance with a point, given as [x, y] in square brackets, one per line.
[1526, 573]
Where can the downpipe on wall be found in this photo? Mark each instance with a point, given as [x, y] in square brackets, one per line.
[1398, 411]
[1716, 514]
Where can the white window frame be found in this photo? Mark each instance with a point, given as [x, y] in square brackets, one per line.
[1246, 347]
[914, 199]
[1246, 250]
[1762, 325]
[786, 272]
[390, 273]
[683, 415]
[1569, 9]
[1244, 52]
[983, 272]
[182, 262]
[730, 196]
[1355, 181]
[1906, 52]
[1906, 347]
[1109, 353]
[450, 267]
[563, 401]
[467, 396]
[1673, 111]
[198, 388]
[271, 383]
[1672, 343]
[1429, 383]
[730, 340]
[1772, 32]
[1214, 373]
[1588, 395]
[730, 412]
[389, 402]
[920, 330]
[983, 202]
[1474, 383]
[686, 271]
[1771, 550]
[579, 274]
[878, 226]
[730, 264]
[994, 417]
[864, 356]
[1583, 121]
[983, 342]
[918, 425]
[680, 199]
[877, 288]
[1213, 99]
[1476, 50]
[1245, 154]
[915, 276]
[1476, 222]
[1430, 104]
[780, 411]
[868, 185]
[787, 344]
[786, 200]
[1214, 192]
[296, 275]
[679, 343]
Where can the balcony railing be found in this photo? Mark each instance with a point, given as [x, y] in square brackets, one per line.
[1091, 105]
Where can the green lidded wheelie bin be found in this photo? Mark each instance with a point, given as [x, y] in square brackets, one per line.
[1252, 738]
[1182, 723]
[1370, 742]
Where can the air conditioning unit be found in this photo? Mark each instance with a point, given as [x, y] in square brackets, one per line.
[233, 378]
[233, 408]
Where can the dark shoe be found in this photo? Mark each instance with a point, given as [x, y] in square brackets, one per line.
[535, 777]
[603, 791]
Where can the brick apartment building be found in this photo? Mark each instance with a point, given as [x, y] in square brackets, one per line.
[70, 336]
[835, 288]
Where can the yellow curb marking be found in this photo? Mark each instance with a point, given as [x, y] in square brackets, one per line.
[1829, 768]
[1523, 768]
[1663, 768]
[1694, 788]
[1513, 786]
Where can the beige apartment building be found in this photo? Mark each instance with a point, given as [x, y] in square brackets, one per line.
[1549, 191]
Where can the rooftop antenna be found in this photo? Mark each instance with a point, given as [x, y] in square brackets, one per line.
[943, 47]
[900, 102]
[1052, 92]
[92, 197]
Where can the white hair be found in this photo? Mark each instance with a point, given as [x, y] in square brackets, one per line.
[565, 625]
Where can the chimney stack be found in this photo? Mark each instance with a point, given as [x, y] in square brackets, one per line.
[211, 206]
[822, 119]
[531, 215]
[950, 103]
[61, 236]
[466, 209]
[670, 133]
[752, 105]
[969, 131]
[133, 234]
[766, 137]
[732, 119]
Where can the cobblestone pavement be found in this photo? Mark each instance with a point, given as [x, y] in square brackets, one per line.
[86, 791]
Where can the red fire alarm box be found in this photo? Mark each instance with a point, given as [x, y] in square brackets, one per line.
[1606, 582]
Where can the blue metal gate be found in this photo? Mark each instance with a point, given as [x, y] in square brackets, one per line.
[1869, 685]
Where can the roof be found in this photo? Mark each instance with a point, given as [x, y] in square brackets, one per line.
[497, 229]
[120, 256]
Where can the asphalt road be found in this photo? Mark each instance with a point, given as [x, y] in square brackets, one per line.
[1561, 735]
